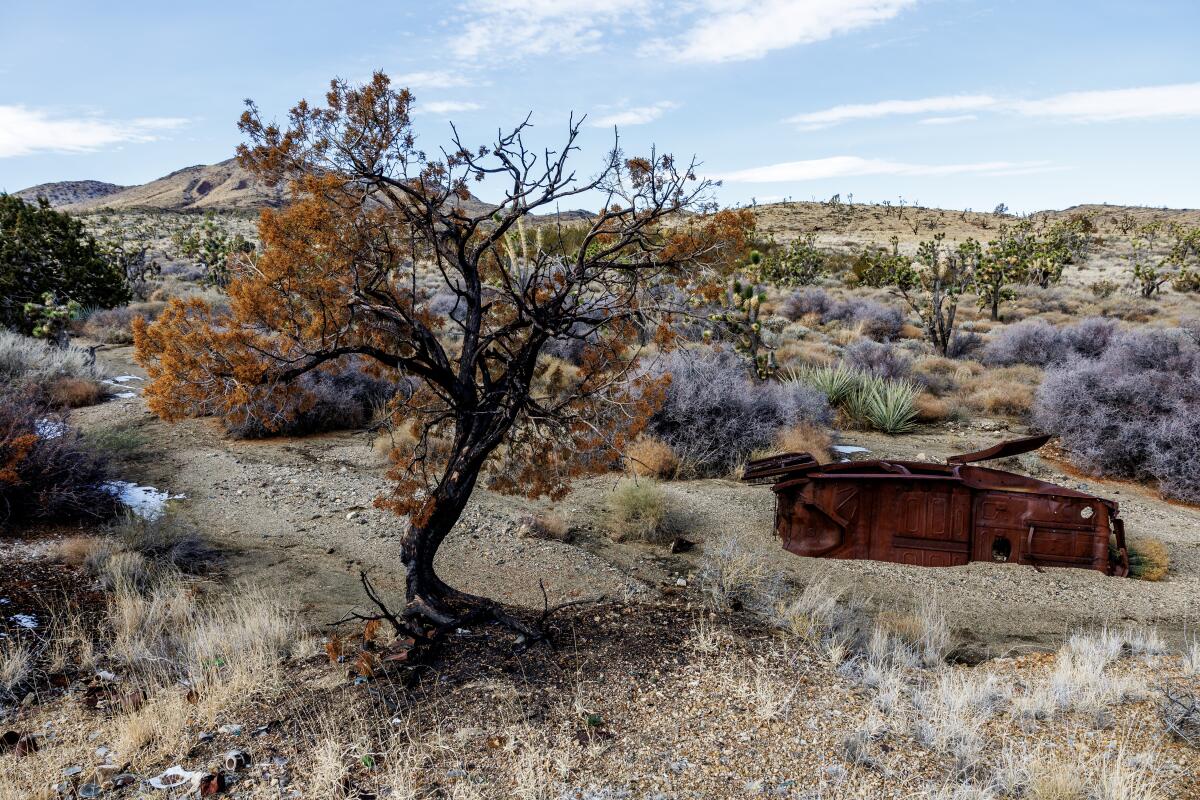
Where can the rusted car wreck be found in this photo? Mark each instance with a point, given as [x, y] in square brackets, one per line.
[940, 515]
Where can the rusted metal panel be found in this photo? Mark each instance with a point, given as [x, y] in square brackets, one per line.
[940, 515]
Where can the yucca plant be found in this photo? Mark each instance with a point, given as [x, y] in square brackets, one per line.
[837, 383]
[868, 401]
[885, 405]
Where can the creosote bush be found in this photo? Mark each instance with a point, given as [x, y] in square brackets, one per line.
[637, 509]
[714, 415]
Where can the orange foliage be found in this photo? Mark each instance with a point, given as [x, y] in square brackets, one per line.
[343, 274]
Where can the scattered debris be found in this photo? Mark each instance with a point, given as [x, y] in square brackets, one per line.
[174, 777]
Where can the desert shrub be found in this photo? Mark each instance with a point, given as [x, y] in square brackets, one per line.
[68, 392]
[43, 251]
[876, 358]
[715, 415]
[941, 375]
[340, 400]
[544, 525]
[1089, 337]
[115, 325]
[932, 409]
[1148, 559]
[1103, 289]
[879, 321]
[166, 539]
[1132, 412]
[1032, 341]
[32, 365]
[733, 575]
[1039, 343]
[1003, 391]
[651, 458]
[804, 302]
[798, 264]
[964, 344]
[876, 320]
[46, 471]
[637, 509]
[805, 438]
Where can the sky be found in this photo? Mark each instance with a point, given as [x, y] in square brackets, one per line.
[951, 103]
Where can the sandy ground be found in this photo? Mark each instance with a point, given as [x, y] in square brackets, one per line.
[298, 514]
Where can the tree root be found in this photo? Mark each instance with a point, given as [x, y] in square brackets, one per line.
[426, 620]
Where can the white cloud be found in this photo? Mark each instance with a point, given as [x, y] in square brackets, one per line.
[848, 166]
[712, 30]
[435, 79]
[24, 131]
[888, 108]
[951, 120]
[1146, 102]
[740, 30]
[500, 29]
[639, 115]
[443, 107]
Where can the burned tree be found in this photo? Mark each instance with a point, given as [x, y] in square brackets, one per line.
[347, 272]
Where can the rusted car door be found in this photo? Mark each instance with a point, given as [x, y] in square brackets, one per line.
[922, 522]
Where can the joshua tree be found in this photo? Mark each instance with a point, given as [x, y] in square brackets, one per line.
[345, 273]
[931, 284]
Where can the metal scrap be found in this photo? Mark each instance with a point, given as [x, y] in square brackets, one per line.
[940, 515]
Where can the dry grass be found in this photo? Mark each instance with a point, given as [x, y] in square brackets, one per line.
[734, 576]
[924, 631]
[1148, 559]
[16, 664]
[77, 550]
[1006, 391]
[69, 392]
[544, 525]
[651, 458]
[637, 509]
[805, 438]
[932, 409]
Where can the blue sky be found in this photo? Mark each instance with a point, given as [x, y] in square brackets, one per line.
[955, 103]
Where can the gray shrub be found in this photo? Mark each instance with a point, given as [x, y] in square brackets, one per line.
[1132, 411]
[715, 415]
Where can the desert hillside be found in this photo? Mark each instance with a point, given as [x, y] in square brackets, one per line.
[224, 186]
[65, 193]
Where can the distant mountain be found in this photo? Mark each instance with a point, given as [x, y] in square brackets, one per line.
[223, 186]
[65, 193]
[219, 187]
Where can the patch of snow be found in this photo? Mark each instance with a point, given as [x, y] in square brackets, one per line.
[124, 379]
[27, 621]
[145, 501]
[125, 395]
[847, 449]
[50, 428]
